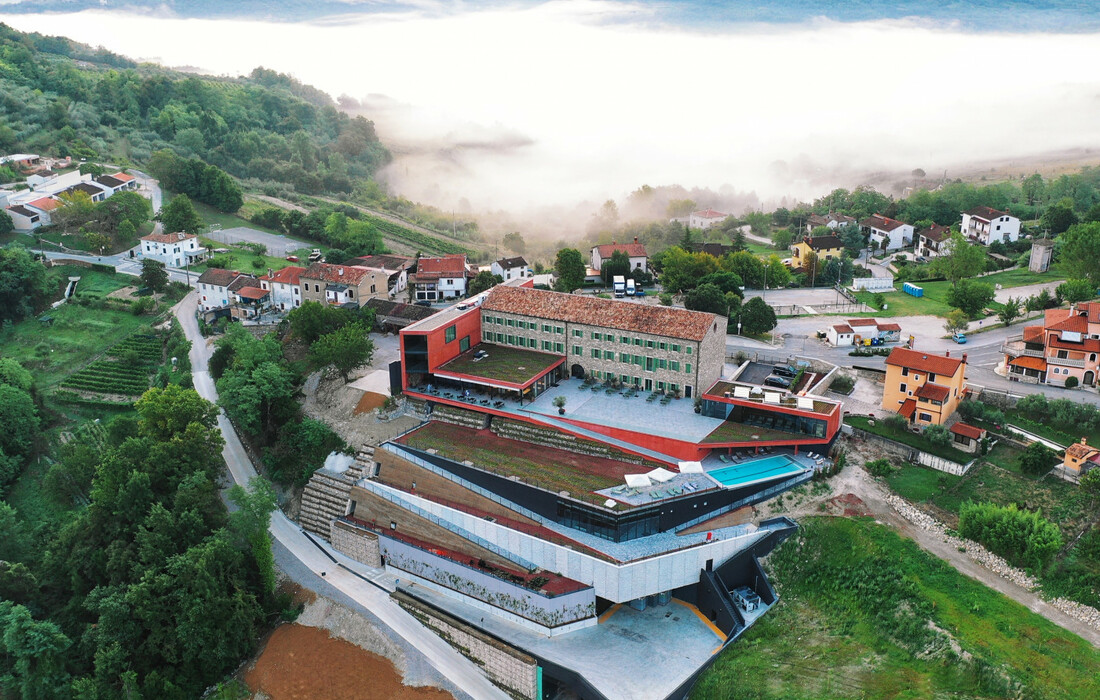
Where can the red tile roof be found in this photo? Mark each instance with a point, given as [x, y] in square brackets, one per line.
[287, 275]
[935, 232]
[908, 408]
[1091, 309]
[123, 176]
[341, 274]
[882, 223]
[709, 214]
[218, 277]
[632, 250]
[966, 430]
[1074, 324]
[862, 322]
[889, 327]
[935, 392]
[446, 266]
[1036, 363]
[1052, 316]
[842, 328]
[1080, 450]
[1033, 334]
[45, 204]
[252, 293]
[1086, 345]
[167, 237]
[666, 321]
[987, 213]
[924, 362]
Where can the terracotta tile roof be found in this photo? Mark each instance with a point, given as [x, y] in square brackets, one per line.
[966, 430]
[935, 392]
[1073, 324]
[387, 262]
[1080, 450]
[509, 263]
[123, 177]
[709, 214]
[1052, 316]
[1036, 363]
[446, 266]
[1086, 345]
[882, 223]
[908, 408]
[621, 315]
[252, 293]
[218, 277]
[241, 282]
[287, 275]
[861, 322]
[45, 204]
[1091, 310]
[339, 274]
[167, 237]
[824, 242]
[924, 362]
[889, 327]
[936, 233]
[1033, 334]
[987, 213]
[842, 328]
[632, 250]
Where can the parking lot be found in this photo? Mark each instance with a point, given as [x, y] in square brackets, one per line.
[277, 245]
[755, 373]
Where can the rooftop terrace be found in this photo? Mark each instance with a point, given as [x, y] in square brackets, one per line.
[502, 363]
[756, 394]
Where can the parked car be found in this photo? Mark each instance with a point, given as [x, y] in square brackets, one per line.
[423, 302]
[639, 292]
[922, 259]
[292, 258]
[959, 338]
[777, 381]
[784, 370]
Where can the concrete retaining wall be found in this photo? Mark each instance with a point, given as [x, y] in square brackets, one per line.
[511, 669]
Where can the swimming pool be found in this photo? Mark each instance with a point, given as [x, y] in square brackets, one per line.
[766, 469]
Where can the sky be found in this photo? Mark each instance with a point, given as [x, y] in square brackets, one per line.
[516, 106]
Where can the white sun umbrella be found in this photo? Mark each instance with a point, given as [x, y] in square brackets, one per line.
[637, 481]
[661, 475]
[691, 467]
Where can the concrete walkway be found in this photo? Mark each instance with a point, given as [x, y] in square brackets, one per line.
[452, 665]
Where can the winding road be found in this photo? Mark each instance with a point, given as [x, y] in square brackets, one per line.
[452, 665]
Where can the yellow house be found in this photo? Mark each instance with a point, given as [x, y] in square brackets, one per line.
[924, 387]
[825, 247]
[1080, 457]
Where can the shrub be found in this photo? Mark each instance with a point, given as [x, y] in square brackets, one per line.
[937, 435]
[842, 384]
[1024, 538]
[1037, 458]
[895, 422]
[879, 467]
[1071, 382]
[258, 263]
[971, 410]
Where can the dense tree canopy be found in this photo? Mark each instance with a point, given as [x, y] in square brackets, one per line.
[24, 285]
[1080, 251]
[570, 270]
[179, 215]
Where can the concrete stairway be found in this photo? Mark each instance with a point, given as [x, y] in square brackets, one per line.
[326, 495]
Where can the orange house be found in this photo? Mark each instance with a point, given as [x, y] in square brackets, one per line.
[924, 387]
[1080, 457]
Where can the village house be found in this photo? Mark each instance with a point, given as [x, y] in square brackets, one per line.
[824, 247]
[213, 288]
[635, 251]
[704, 219]
[933, 241]
[1066, 346]
[831, 220]
[884, 230]
[285, 287]
[986, 225]
[44, 206]
[860, 331]
[172, 249]
[23, 218]
[1080, 458]
[397, 266]
[924, 388]
[342, 285]
[510, 268]
[118, 182]
[440, 278]
[968, 438]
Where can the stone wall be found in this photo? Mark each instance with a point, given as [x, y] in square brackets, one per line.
[511, 669]
[358, 543]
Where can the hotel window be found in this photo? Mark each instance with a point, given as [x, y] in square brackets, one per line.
[663, 345]
[595, 353]
[624, 379]
[511, 340]
[500, 320]
[559, 347]
[559, 330]
[487, 336]
[578, 333]
[638, 360]
[595, 336]
[624, 340]
[662, 364]
[687, 368]
[578, 350]
[547, 328]
[688, 349]
[449, 334]
[649, 344]
[660, 386]
[510, 322]
[624, 357]
[674, 365]
[546, 345]
[675, 347]
[638, 341]
[500, 337]
[464, 344]
[608, 355]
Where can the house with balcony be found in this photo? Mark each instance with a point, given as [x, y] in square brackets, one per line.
[924, 388]
[440, 278]
[285, 287]
[213, 287]
[639, 260]
[934, 241]
[172, 249]
[985, 225]
[1066, 346]
[885, 233]
[398, 267]
[343, 285]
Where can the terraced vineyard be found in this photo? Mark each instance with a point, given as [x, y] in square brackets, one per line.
[125, 372]
[421, 241]
[147, 347]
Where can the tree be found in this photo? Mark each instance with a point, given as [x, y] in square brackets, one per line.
[484, 280]
[1058, 217]
[123, 207]
[970, 296]
[937, 435]
[154, 275]
[19, 417]
[300, 450]
[1079, 252]
[782, 239]
[313, 319]
[1090, 484]
[707, 297]
[6, 224]
[167, 413]
[1037, 458]
[250, 523]
[24, 285]
[1023, 537]
[727, 282]
[682, 270]
[1010, 311]
[514, 242]
[14, 374]
[746, 266]
[618, 264]
[76, 210]
[180, 215]
[757, 317]
[1074, 291]
[1032, 188]
[956, 320]
[570, 270]
[964, 259]
[32, 664]
[344, 349]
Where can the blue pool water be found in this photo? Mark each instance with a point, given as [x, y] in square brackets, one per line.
[766, 469]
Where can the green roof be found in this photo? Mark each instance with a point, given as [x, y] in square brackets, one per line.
[503, 363]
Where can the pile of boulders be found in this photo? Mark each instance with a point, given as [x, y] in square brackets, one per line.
[996, 564]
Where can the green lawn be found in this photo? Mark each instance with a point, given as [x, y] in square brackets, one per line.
[92, 282]
[212, 215]
[1021, 276]
[865, 613]
[504, 363]
[76, 335]
[241, 259]
[907, 438]
[901, 304]
[918, 484]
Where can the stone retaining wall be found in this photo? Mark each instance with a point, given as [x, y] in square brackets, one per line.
[508, 667]
[359, 544]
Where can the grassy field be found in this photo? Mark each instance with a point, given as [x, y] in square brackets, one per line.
[76, 335]
[215, 216]
[918, 484]
[242, 260]
[910, 439]
[865, 613]
[901, 304]
[1021, 276]
[92, 282]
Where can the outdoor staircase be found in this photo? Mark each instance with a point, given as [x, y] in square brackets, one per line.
[418, 408]
[461, 416]
[326, 495]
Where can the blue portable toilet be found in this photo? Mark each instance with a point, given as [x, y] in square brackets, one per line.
[912, 289]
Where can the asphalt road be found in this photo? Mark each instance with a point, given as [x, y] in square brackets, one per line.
[452, 665]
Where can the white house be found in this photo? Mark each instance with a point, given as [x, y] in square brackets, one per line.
[440, 278]
[397, 266]
[831, 220]
[284, 286]
[172, 249]
[705, 218]
[882, 228]
[985, 225]
[840, 334]
[934, 241]
[24, 219]
[213, 288]
[510, 268]
[116, 183]
[635, 251]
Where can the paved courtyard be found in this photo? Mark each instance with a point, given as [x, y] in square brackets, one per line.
[277, 245]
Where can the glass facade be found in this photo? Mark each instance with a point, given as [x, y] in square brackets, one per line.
[617, 527]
